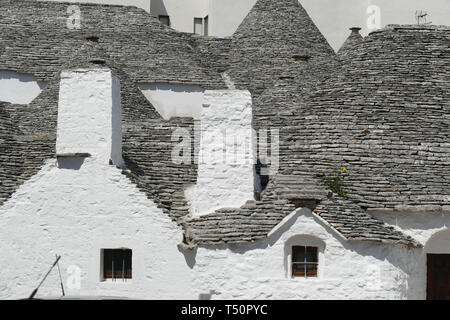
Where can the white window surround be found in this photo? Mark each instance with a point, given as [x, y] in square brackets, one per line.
[100, 266]
[307, 241]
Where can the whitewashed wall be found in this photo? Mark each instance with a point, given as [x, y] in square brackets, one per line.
[75, 208]
[227, 15]
[174, 100]
[347, 270]
[77, 212]
[431, 229]
[19, 88]
[181, 13]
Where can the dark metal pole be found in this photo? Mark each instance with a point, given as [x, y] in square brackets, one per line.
[60, 278]
[36, 290]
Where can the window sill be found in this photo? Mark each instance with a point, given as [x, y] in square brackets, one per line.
[117, 281]
[304, 279]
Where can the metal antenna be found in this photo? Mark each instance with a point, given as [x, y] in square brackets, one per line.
[60, 278]
[421, 17]
[42, 281]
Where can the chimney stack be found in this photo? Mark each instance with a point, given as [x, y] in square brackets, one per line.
[90, 115]
[226, 173]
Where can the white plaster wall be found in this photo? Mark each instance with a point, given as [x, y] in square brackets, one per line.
[174, 100]
[82, 206]
[439, 243]
[181, 13]
[89, 115]
[225, 166]
[419, 225]
[347, 270]
[19, 88]
[227, 15]
[431, 229]
[75, 210]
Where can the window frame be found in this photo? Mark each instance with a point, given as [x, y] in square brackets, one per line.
[164, 16]
[201, 26]
[305, 274]
[127, 264]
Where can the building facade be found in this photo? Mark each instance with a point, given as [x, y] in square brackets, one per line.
[163, 165]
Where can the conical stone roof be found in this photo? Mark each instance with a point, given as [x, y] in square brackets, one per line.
[276, 38]
[353, 40]
[39, 37]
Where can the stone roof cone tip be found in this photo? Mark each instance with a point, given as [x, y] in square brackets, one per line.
[352, 40]
[281, 18]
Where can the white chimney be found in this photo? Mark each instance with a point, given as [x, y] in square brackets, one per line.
[227, 152]
[90, 115]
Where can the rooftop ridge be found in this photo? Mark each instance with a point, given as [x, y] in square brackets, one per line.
[412, 27]
[84, 4]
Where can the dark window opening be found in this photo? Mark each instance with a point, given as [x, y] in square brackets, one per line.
[98, 61]
[304, 261]
[164, 20]
[438, 276]
[117, 264]
[92, 38]
[300, 58]
[263, 179]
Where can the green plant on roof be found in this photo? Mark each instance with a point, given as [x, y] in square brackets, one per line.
[335, 182]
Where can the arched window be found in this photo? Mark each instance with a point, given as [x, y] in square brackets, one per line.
[304, 255]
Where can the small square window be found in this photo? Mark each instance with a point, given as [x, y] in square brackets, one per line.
[164, 20]
[304, 261]
[117, 264]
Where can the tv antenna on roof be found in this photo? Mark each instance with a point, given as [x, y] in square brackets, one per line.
[421, 17]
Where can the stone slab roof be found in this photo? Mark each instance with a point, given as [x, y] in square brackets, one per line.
[322, 106]
[353, 40]
[355, 224]
[383, 114]
[256, 219]
[275, 37]
[38, 41]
